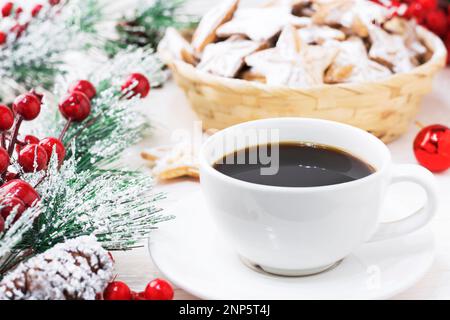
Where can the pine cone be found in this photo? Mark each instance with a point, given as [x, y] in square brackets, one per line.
[75, 270]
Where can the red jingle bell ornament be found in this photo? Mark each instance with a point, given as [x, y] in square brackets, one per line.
[138, 84]
[117, 290]
[84, 86]
[432, 148]
[76, 106]
[33, 158]
[22, 190]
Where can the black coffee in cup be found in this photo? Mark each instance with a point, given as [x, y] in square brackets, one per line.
[298, 165]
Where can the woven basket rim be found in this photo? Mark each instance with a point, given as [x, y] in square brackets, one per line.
[434, 64]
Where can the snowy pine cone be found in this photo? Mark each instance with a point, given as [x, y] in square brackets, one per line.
[78, 269]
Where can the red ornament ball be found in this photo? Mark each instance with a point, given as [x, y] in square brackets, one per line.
[432, 148]
[12, 204]
[7, 9]
[117, 290]
[75, 106]
[36, 10]
[6, 118]
[3, 38]
[159, 289]
[33, 158]
[138, 84]
[22, 190]
[51, 145]
[84, 86]
[436, 21]
[4, 160]
[28, 106]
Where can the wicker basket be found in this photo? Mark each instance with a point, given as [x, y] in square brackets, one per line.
[385, 108]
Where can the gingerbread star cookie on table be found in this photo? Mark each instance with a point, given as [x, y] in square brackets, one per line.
[227, 58]
[173, 161]
[206, 31]
[261, 24]
[292, 62]
[352, 63]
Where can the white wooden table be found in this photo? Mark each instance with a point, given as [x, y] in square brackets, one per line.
[170, 109]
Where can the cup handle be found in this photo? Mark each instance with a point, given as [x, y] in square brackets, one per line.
[424, 178]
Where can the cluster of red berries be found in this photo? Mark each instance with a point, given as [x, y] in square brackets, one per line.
[157, 289]
[10, 9]
[432, 14]
[33, 154]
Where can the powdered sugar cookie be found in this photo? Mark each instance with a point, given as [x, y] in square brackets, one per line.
[177, 46]
[354, 15]
[227, 58]
[390, 50]
[320, 34]
[294, 65]
[174, 161]
[206, 31]
[261, 24]
[352, 63]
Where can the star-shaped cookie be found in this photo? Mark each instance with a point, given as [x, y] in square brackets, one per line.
[206, 30]
[227, 58]
[352, 63]
[261, 24]
[291, 62]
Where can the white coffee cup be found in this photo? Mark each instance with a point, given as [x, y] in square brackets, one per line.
[302, 231]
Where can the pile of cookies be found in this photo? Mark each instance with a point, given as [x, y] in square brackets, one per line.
[301, 43]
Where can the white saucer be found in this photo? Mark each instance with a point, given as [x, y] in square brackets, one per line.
[190, 252]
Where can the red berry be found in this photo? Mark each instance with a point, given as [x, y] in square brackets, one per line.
[436, 21]
[22, 190]
[19, 29]
[53, 2]
[28, 106]
[4, 160]
[36, 10]
[432, 148]
[137, 296]
[138, 84]
[117, 291]
[6, 118]
[84, 86]
[10, 176]
[51, 145]
[159, 289]
[3, 38]
[7, 9]
[33, 158]
[19, 10]
[75, 106]
[2, 224]
[29, 139]
[10, 205]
